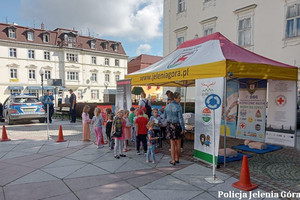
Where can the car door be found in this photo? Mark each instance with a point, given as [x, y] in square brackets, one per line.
[5, 107]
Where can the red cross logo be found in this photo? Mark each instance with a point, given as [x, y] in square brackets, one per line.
[243, 125]
[281, 100]
[183, 58]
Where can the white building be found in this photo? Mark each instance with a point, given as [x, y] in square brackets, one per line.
[270, 28]
[87, 65]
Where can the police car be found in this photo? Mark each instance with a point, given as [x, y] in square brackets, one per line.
[19, 107]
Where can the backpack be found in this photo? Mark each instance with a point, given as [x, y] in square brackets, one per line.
[149, 109]
[117, 128]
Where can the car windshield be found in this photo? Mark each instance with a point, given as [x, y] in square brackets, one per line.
[25, 100]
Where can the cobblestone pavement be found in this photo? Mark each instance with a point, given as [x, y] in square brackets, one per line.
[274, 171]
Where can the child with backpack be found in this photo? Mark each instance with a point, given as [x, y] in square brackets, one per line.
[98, 122]
[145, 103]
[118, 135]
[108, 130]
[155, 118]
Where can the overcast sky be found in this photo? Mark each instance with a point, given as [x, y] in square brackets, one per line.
[135, 23]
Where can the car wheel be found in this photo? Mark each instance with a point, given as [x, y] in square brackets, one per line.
[42, 120]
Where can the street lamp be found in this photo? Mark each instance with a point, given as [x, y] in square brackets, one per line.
[42, 72]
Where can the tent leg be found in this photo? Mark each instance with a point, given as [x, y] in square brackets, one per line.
[225, 118]
[185, 91]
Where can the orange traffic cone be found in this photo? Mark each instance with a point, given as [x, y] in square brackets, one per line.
[244, 183]
[4, 135]
[60, 135]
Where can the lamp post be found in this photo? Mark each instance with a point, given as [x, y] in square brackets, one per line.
[42, 72]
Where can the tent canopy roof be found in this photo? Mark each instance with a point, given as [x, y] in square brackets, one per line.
[211, 56]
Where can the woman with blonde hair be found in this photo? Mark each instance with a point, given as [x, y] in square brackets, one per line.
[86, 121]
[98, 122]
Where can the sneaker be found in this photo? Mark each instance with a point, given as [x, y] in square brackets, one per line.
[100, 147]
[154, 162]
[122, 155]
[138, 153]
[147, 161]
[117, 157]
[124, 150]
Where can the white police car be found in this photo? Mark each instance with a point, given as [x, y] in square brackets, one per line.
[19, 107]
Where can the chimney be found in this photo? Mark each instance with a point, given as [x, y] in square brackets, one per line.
[42, 26]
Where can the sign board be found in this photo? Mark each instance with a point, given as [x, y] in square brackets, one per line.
[54, 82]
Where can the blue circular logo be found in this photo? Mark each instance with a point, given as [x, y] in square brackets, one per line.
[213, 101]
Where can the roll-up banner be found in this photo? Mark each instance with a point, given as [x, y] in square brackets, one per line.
[282, 108]
[123, 96]
[252, 109]
[203, 119]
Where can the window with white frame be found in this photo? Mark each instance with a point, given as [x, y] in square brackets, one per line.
[116, 47]
[13, 73]
[72, 76]
[95, 94]
[46, 55]
[94, 77]
[209, 26]
[117, 77]
[293, 21]
[93, 44]
[245, 31]
[79, 94]
[180, 40]
[32, 74]
[105, 45]
[30, 35]
[181, 6]
[47, 74]
[46, 38]
[31, 54]
[208, 31]
[71, 57]
[13, 52]
[117, 62]
[180, 35]
[106, 61]
[94, 60]
[12, 33]
[107, 78]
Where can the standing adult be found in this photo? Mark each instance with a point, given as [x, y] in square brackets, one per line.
[145, 103]
[72, 106]
[175, 126]
[169, 96]
[48, 100]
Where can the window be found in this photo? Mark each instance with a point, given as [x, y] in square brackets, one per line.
[105, 45]
[72, 76]
[79, 94]
[245, 32]
[116, 47]
[13, 52]
[293, 21]
[72, 57]
[208, 31]
[46, 55]
[32, 74]
[106, 77]
[46, 38]
[13, 74]
[180, 40]
[93, 44]
[106, 62]
[94, 77]
[47, 74]
[12, 33]
[95, 94]
[31, 54]
[117, 77]
[30, 35]
[94, 60]
[181, 6]
[117, 62]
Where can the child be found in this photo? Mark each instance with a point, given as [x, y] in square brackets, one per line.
[118, 135]
[151, 142]
[108, 130]
[127, 130]
[131, 117]
[157, 123]
[98, 121]
[86, 121]
[141, 131]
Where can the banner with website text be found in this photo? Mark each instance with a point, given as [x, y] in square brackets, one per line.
[281, 123]
[123, 96]
[252, 109]
[203, 141]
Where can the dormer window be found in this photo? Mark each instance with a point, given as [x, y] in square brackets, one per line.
[46, 38]
[30, 35]
[105, 45]
[93, 44]
[116, 47]
[12, 33]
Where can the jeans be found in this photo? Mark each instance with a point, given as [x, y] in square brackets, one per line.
[132, 133]
[151, 150]
[73, 113]
[51, 111]
[142, 138]
[118, 150]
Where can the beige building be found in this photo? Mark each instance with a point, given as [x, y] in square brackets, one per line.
[87, 65]
[270, 28]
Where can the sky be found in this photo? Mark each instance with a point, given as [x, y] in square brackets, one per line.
[137, 24]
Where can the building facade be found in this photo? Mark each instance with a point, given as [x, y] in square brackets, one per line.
[270, 28]
[90, 66]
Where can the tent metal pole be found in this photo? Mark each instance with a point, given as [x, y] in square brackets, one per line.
[225, 117]
[185, 91]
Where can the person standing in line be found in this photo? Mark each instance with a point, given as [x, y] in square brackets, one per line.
[108, 128]
[141, 131]
[72, 106]
[98, 122]
[151, 140]
[145, 103]
[86, 121]
[118, 135]
[131, 117]
[127, 130]
[175, 126]
[48, 100]
[155, 118]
